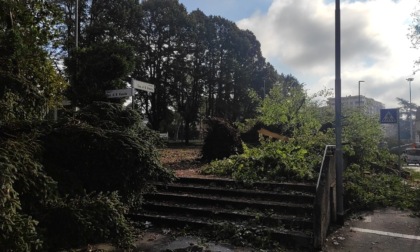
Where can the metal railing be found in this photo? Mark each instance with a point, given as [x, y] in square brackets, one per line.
[324, 203]
[322, 163]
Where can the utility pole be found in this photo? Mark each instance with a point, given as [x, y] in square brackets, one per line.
[338, 148]
[411, 116]
[77, 24]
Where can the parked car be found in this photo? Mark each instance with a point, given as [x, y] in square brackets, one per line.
[411, 156]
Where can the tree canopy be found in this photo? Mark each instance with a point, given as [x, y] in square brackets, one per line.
[200, 65]
[30, 84]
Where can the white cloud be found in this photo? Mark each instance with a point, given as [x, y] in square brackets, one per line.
[299, 34]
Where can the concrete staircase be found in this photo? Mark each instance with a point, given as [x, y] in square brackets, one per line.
[275, 212]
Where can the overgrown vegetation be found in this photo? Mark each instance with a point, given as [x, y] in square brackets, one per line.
[222, 140]
[273, 161]
[368, 191]
[24, 185]
[86, 169]
[85, 219]
[372, 177]
[70, 183]
[296, 158]
[103, 148]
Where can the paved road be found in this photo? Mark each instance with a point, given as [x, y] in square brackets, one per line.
[381, 230]
[387, 230]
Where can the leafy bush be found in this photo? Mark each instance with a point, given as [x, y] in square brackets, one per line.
[47, 168]
[271, 161]
[24, 186]
[375, 190]
[222, 140]
[85, 220]
[108, 151]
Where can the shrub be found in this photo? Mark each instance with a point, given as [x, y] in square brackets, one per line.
[221, 141]
[375, 190]
[103, 154]
[47, 168]
[273, 161]
[85, 220]
[24, 186]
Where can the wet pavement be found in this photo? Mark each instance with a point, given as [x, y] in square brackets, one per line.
[385, 230]
[158, 241]
[154, 242]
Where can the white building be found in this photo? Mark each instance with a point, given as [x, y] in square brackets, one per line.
[369, 105]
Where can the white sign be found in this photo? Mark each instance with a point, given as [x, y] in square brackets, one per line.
[118, 93]
[66, 102]
[143, 86]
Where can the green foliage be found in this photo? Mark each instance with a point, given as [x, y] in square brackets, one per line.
[371, 179]
[24, 186]
[375, 190]
[54, 177]
[287, 110]
[281, 108]
[221, 141]
[26, 71]
[273, 161]
[363, 136]
[88, 219]
[110, 152]
[98, 68]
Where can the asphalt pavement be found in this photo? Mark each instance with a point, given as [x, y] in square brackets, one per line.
[386, 230]
[381, 230]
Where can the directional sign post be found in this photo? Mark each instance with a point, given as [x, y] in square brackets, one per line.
[143, 86]
[135, 84]
[119, 93]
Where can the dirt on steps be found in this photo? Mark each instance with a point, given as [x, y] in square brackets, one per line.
[184, 160]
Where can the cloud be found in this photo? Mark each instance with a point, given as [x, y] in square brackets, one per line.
[300, 34]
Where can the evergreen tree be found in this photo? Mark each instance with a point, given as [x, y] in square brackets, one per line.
[30, 85]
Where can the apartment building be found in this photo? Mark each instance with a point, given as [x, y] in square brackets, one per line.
[368, 105]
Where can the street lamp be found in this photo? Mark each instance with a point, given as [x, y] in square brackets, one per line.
[359, 90]
[411, 118]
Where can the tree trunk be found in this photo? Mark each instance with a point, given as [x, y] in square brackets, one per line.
[187, 132]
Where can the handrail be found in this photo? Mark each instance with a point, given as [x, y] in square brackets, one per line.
[325, 202]
[322, 163]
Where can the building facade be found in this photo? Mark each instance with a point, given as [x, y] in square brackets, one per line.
[368, 105]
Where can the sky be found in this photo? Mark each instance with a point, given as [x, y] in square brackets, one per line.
[297, 37]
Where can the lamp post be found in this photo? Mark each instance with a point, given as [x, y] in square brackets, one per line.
[411, 117]
[338, 129]
[76, 34]
[359, 90]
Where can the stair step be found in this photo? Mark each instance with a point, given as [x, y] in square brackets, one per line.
[265, 218]
[281, 235]
[230, 183]
[274, 212]
[230, 203]
[296, 197]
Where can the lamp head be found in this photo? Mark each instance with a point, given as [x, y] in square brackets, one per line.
[410, 79]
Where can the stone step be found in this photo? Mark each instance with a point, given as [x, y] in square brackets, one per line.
[245, 194]
[231, 203]
[286, 237]
[268, 218]
[281, 212]
[230, 183]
